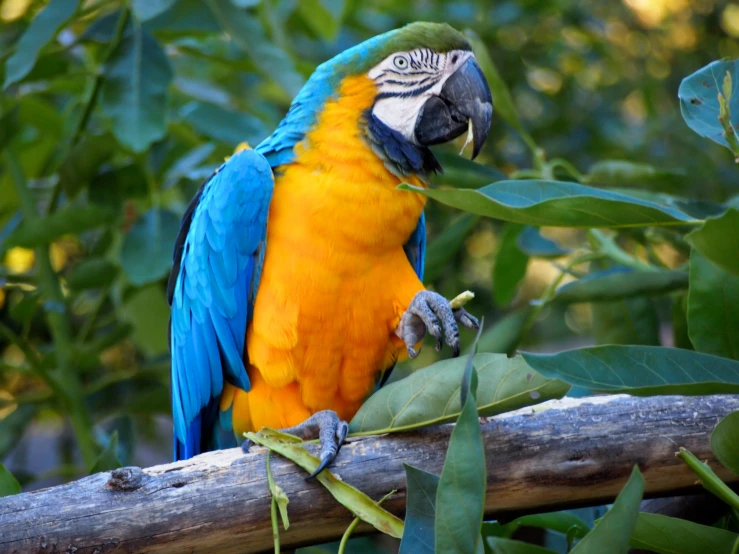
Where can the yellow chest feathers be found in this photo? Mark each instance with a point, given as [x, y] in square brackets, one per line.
[338, 188]
[335, 279]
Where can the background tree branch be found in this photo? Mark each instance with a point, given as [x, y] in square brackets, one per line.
[562, 454]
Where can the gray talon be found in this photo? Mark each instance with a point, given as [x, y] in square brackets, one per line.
[329, 429]
[430, 313]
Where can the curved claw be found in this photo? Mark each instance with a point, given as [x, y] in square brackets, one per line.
[325, 461]
[430, 312]
[466, 319]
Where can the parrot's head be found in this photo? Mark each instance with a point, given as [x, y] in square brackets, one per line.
[430, 88]
[425, 88]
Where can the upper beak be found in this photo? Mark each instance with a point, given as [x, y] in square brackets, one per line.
[465, 98]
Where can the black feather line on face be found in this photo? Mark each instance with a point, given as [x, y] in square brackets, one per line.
[399, 155]
[406, 94]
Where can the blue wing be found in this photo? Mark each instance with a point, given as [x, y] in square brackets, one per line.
[217, 266]
[415, 248]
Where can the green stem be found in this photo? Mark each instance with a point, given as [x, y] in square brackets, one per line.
[273, 506]
[526, 174]
[610, 249]
[568, 167]
[55, 309]
[275, 529]
[549, 294]
[355, 522]
[709, 479]
[84, 331]
[90, 101]
[347, 534]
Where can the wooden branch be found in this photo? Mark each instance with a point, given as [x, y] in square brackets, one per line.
[566, 453]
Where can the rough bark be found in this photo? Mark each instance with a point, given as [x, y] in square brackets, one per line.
[562, 454]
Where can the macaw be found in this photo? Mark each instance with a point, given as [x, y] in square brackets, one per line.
[297, 277]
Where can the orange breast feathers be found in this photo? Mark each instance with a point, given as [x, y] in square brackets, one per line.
[335, 280]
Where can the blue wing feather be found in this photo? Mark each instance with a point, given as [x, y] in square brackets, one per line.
[218, 259]
[415, 248]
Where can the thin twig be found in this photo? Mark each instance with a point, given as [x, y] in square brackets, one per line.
[354, 523]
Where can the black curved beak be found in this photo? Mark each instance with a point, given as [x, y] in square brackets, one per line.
[464, 98]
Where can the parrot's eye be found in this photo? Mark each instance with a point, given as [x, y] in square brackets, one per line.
[400, 62]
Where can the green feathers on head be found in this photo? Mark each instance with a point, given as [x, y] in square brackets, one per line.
[439, 37]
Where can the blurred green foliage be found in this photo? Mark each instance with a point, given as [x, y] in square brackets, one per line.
[112, 114]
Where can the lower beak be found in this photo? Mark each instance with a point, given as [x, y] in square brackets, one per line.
[464, 99]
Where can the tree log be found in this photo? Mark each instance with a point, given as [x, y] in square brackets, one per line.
[560, 454]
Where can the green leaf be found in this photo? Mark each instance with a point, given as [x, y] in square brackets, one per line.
[699, 102]
[463, 479]
[8, 484]
[146, 255]
[9, 126]
[555, 203]
[224, 125]
[504, 335]
[279, 496]
[40, 31]
[621, 282]
[718, 240]
[135, 90]
[431, 395]
[611, 535]
[108, 458]
[111, 188]
[445, 246]
[680, 322]
[564, 522]
[461, 172]
[148, 312]
[724, 442]
[245, 29]
[708, 478]
[669, 535]
[92, 273]
[623, 173]
[322, 16]
[632, 321]
[184, 166]
[502, 545]
[510, 266]
[420, 511]
[70, 220]
[82, 165]
[23, 311]
[148, 9]
[533, 244]
[640, 370]
[713, 308]
[185, 17]
[354, 500]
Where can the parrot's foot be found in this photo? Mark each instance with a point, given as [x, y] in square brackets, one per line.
[324, 426]
[430, 312]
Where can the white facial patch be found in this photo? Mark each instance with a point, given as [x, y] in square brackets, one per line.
[406, 80]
